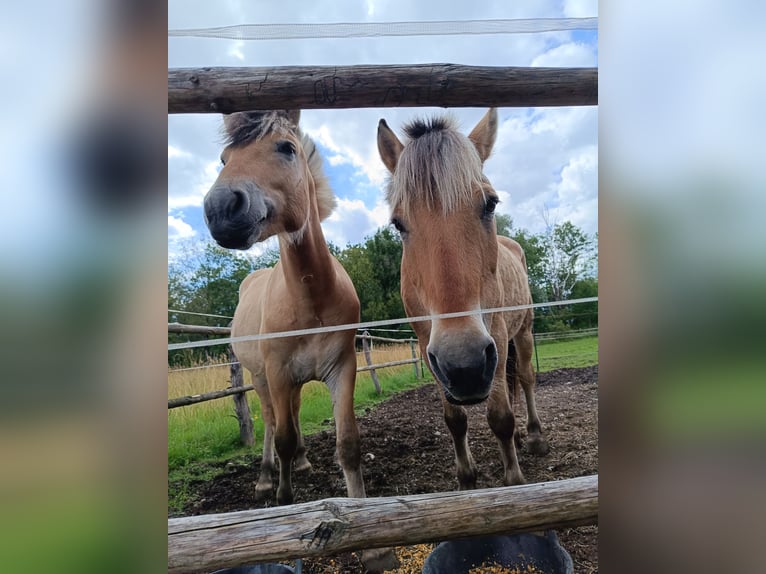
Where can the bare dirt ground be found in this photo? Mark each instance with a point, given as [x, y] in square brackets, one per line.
[407, 450]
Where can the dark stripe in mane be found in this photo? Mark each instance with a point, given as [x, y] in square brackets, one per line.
[241, 128]
[420, 127]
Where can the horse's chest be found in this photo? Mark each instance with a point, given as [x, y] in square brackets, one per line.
[313, 359]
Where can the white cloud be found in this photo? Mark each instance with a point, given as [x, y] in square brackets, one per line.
[174, 152]
[235, 51]
[352, 220]
[580, 8]
[570, 55]
[194, 193]
[179, 229]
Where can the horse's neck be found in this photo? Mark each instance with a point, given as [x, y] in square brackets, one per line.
[306, 260]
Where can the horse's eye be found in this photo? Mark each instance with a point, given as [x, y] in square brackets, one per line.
[286, 148]
[489, 206]
[398, 225]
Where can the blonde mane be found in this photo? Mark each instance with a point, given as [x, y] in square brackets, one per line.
[438, 166]
[241, 128]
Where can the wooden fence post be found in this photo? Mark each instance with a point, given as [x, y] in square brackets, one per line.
[415, 365]
[368, 358]
[241, 407]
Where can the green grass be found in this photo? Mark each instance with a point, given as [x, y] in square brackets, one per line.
[567, 353]
[203, 433]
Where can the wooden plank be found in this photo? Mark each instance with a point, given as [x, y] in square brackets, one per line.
[241, 407]
[232, 89]
[334, 525]
[193, 399]
[384, 365]
[197, 329]
[368, 357]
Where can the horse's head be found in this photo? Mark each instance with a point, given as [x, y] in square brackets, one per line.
[443, 207]
[270, 171]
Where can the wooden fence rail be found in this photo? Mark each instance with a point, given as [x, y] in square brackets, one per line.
[182, 329]
[334, 525]
[201, 398]
[238, 388]
[231, 89]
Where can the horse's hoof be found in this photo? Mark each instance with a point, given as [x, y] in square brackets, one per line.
[515, 480]
[379, 560]
[262, 492]
[284, 497]
[538, 446]
[302, 465]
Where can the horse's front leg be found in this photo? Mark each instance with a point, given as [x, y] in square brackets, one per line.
[347, 433]
[457, 423]
[286, 433]
[502, 423]
[349, 449]
[264, 486]
[524, 343]
[302, 463]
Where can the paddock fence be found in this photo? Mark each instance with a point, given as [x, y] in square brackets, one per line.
[238, 387]
[331, 526]
[334, 525]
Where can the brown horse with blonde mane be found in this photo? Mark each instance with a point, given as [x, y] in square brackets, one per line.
[272, 184]
[443, 206]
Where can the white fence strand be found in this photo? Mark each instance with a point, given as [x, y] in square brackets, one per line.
[304, 30]
[333, 328]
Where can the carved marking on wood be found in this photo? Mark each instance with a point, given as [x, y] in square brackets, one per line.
[325, 90]
[325, 533]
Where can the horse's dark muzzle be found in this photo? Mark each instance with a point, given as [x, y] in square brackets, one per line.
[235, 215]
[467, 380]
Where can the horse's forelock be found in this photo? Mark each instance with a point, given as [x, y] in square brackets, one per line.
[422, 126]
[241, 128]
[438, 166]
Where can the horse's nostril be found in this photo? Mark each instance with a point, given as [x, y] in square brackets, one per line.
[239, 203]
[490, 353]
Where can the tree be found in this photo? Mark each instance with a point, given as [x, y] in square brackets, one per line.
[570, 255]
[205, 279]
[374, 268]
[534, 251]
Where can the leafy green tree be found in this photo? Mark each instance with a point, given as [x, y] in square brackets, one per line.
[585, 315]
[205, 279]
[374, 268]
[570, 255]
[357, 263]
[534, 250]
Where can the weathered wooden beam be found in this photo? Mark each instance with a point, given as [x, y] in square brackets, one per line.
[334, 525]
[232, 89]
[384, 365]
[241, 407]
[198, 329]
[193, 399]
[368, 357]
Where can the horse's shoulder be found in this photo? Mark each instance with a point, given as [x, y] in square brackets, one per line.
[513, 247]
[254, 277]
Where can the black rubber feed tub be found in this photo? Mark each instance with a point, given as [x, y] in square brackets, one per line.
[543, 552]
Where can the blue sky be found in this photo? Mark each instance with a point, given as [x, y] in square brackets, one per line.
[545, 162]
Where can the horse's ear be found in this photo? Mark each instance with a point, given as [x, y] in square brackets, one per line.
[294, 116]
[484, 134]
[389, 146]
